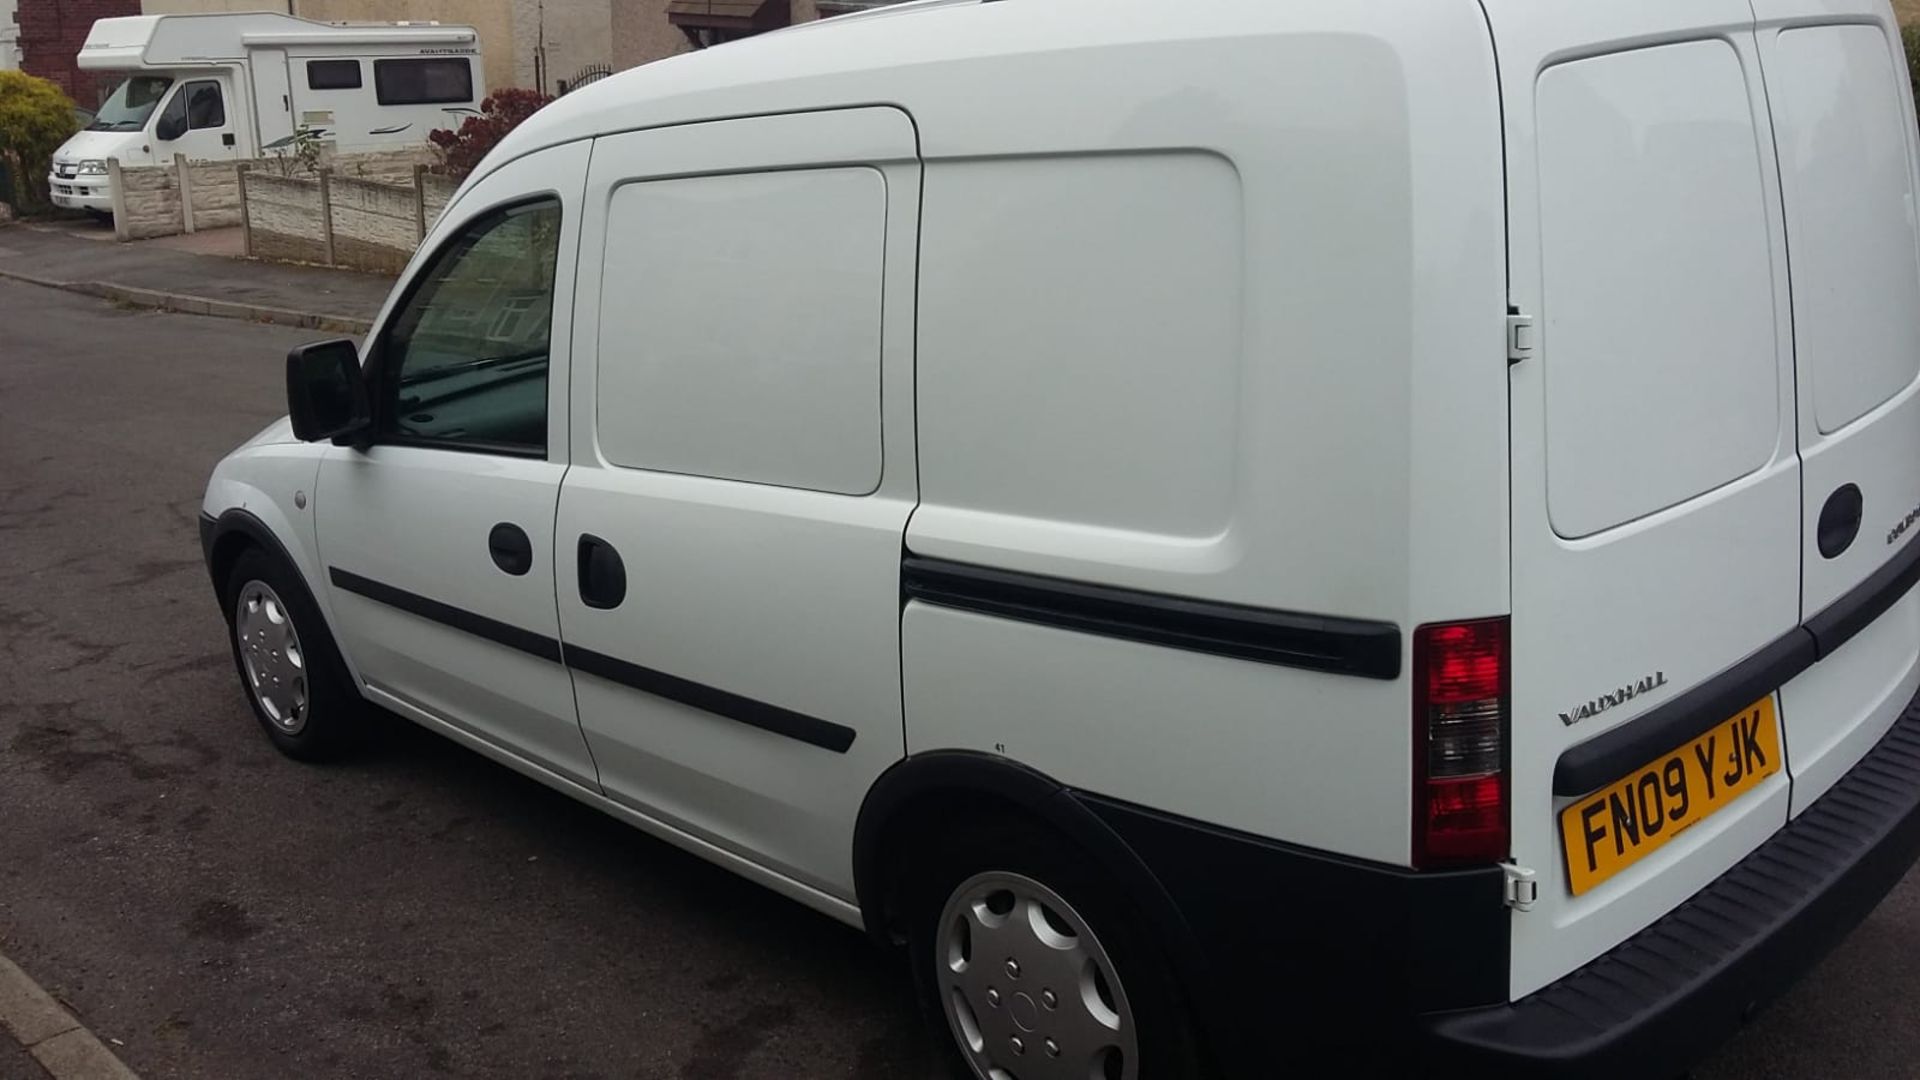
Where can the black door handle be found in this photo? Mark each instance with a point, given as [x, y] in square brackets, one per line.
[510, 548]
[603, 577]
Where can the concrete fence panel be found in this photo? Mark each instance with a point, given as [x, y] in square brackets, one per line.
[286, 218]
[151, 198]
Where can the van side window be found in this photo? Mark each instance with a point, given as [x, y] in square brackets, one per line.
[333, 74]
[205, 107]
[464, 362]
[436, 81]
[740, 328]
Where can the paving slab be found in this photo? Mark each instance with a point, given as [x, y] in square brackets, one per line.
[17, 1064]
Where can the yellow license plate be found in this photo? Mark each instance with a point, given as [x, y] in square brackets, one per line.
[1613, 828]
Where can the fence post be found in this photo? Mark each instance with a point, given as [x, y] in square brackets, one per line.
[326, 211]
[246, 216]
[419, 203]
[186, 191]
[117, 184]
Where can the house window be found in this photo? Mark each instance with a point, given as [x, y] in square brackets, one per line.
[711, 22]
[435, 81]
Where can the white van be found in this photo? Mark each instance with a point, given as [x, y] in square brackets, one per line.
[233, 86]
[1221, 526]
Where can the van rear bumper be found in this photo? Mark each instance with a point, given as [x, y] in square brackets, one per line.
[1670, 993]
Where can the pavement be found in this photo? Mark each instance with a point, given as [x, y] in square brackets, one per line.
[197, 273]
[210, 909]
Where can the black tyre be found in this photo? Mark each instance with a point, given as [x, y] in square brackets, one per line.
[289, 667]
[1033, 965]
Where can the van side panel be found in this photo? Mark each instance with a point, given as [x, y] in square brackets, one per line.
[1235, 336]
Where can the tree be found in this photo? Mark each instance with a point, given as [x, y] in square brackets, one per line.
[35, 118]
[461, 151]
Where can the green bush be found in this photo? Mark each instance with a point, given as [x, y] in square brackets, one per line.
[35, 118]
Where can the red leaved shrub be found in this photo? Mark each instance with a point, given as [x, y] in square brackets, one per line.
[501, 112]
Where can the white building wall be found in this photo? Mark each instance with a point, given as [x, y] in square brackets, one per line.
[9, 35]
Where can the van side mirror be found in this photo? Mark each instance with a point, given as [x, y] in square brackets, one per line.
[326, 397]
[170, 126]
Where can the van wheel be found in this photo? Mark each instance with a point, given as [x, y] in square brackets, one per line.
[1039, 967]
[292, 673]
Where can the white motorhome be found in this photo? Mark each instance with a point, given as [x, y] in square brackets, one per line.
[231, 86]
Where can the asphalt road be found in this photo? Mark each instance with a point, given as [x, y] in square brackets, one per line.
[223, 912]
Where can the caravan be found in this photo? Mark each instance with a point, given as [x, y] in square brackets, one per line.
[216, 87]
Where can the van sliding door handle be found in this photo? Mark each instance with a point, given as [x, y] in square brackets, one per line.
[603, 577]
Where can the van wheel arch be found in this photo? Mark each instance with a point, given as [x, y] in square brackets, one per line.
[923, 794]
[233, 533]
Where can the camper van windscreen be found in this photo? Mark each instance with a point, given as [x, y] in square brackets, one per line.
[435, 81]
[127, 108]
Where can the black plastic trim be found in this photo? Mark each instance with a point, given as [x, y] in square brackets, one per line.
[1660, 999]
[1611, 755]
[208, 534]
[513, 637]
[1605, 758]
[799, 726]
[1865, 602]
[250, 526]
[1307, 948]
[807, 729]
[1330, 643]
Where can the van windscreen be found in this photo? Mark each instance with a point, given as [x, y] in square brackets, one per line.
[127, 108]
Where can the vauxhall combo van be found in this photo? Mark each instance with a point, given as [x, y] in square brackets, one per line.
[1219, 528]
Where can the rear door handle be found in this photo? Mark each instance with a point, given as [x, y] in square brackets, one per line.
[603, 577]
[510, 548]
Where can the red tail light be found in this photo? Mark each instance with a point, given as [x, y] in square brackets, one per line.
[1461, 675]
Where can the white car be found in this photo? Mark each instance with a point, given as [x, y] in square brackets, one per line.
[1222, 527]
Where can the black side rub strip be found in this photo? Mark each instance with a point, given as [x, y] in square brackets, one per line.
[493, 630]
[807, 729]
[1316, 642]
[1607, 757]
[1865, 602]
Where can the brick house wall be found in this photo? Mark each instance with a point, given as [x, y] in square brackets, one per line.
[51, 33]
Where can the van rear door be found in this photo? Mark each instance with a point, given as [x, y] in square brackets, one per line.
[1655, 476]
[1844, 136]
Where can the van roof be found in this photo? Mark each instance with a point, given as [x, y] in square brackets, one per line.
[933, 53]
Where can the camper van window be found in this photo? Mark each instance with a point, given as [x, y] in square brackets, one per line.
[205, 108]
[333, 74]
[127, 108]
[423, 82]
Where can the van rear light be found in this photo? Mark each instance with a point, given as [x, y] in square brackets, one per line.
[1461, 675]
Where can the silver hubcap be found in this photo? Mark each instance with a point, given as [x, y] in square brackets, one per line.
[276, 666]
[1029, 991]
